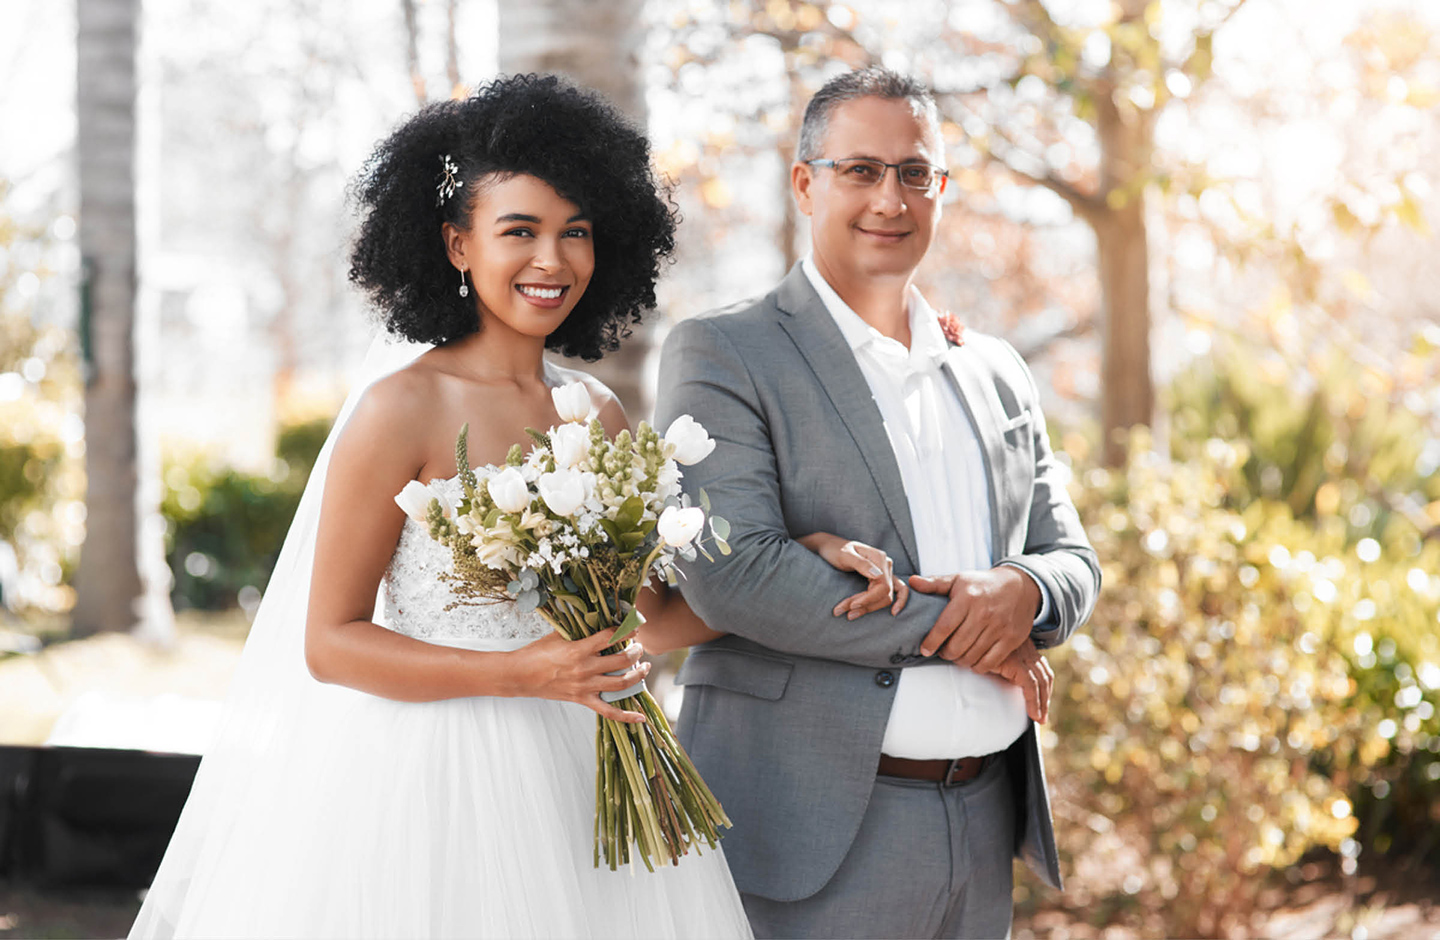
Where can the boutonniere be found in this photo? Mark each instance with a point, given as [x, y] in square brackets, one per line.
[951, 326]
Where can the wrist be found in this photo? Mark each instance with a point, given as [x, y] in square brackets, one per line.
[824, 544]
[506, 674]
[1031, 599]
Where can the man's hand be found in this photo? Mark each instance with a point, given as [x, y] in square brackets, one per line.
[989, 615]
[1030, 671]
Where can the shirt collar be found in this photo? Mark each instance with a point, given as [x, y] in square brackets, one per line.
[927, 340]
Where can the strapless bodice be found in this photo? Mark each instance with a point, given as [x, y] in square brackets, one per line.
[414, 598]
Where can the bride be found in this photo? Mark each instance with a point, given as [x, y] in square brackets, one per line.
[389, 766]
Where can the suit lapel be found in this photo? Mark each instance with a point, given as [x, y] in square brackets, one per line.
[987, 416]
[813, 330]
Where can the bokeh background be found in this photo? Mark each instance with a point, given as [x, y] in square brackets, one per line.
[1207, 224]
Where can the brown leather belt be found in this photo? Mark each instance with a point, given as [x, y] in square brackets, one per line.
[947, 773]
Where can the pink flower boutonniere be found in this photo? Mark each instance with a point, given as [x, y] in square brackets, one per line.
[953, 329]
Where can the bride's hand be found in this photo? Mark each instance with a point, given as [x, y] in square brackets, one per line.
[871, 564]
[574, 671]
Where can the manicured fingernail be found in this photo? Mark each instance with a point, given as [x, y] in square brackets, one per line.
[874, 572]
[925, 652]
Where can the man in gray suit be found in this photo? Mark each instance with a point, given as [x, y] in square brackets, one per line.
[881, 770]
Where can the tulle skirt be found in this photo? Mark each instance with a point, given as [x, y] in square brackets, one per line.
[461, 818]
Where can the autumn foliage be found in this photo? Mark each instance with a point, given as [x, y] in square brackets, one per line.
[1247, 678]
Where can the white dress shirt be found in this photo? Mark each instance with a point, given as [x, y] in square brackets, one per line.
[940, 710]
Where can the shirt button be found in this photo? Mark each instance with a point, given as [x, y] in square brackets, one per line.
[884, 678]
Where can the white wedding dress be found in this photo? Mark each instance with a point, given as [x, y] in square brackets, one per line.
[466, 817]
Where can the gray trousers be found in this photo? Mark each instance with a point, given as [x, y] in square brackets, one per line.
[929, 861]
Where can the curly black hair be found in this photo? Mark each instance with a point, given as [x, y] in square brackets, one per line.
[535, 125]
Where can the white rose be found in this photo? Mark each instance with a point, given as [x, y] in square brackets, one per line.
[509, 491]
[692, 444]
[563, 491]
[415, 500]
[572, 402]
[678, 527]
[569, 443]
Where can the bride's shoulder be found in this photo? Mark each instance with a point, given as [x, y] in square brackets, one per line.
[397, 399]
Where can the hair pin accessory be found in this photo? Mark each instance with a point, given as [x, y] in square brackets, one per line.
[449, 180]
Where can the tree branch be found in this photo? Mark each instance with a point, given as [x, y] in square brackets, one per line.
[1042, 345]
[1202, 38]
[1090, 208]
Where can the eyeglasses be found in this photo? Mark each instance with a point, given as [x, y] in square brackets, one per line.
[862, 172]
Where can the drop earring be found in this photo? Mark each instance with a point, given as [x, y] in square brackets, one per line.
[464, 288]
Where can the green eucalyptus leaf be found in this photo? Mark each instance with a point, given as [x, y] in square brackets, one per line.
[630, 512]
[612, 531]
[629, 625]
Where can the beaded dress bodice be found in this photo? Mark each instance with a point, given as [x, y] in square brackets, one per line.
[415, 598]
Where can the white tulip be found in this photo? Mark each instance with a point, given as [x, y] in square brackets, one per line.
[563, 491]
[569, 443]
[509, 491]
[689, 439]
[667, 481]
[415, 500]
[678, 527]
[572, 402]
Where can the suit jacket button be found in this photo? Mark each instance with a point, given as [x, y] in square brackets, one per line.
[884, 678]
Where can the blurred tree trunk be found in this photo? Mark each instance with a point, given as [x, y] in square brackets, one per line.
[108, 583]
[452, 47]
[598, 46]
[1127, 395]
[412, 51]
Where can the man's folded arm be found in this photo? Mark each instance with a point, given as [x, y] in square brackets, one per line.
[769, 589]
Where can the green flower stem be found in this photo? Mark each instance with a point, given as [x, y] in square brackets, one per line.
[649, 798]
[599, 595]
[645, 808]
[599, 786]
[656, 719]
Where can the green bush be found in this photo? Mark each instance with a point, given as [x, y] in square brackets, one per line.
[1328, 438]
[1245, 675]
[225, 527]
[41, 470]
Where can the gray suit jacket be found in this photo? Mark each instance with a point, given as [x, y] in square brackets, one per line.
[785, 716]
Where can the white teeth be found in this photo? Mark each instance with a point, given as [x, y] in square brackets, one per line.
[542, 293]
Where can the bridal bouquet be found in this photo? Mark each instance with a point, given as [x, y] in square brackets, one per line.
[573, 530]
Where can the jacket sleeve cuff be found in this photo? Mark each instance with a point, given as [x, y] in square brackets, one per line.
[1044, 615]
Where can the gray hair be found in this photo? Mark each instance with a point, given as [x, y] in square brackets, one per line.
[860, 83]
